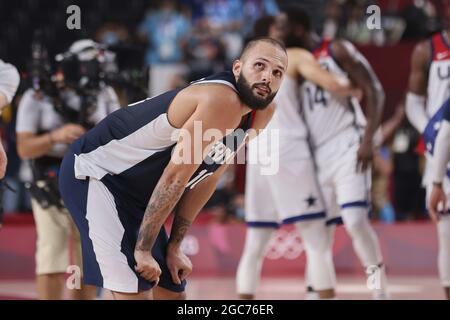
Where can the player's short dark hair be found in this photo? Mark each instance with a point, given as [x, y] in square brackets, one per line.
[254, 41]
[262, 26]
[298, 16]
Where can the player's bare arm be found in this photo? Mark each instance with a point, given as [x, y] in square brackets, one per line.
[302, 63]
[441, 160]
[360, 72]
[193, 201]
[215, 110]
[417, 86]
[186, 211]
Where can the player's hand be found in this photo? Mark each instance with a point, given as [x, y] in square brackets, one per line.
[67, 133]
[147, 267]
[356, 93]
[364, 156]
[346, 89]
[3, 162]
[180, 266]
[437, 196]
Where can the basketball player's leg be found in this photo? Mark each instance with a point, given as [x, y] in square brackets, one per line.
[352, 189]
[443, 232]
[333, 213]
[317, 240]
[262, 221]
[353, 198]
[366, 245]
[303, 205]
[144, 295]
[160, 293]
[105, 249]
[443, 228]
[250, 265]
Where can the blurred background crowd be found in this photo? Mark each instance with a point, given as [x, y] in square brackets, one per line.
[160, 45]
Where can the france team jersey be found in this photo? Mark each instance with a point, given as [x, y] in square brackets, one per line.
[108, 175]
[129, 149]
[433, 126]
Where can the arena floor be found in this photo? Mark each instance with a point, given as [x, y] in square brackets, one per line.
[286, 288]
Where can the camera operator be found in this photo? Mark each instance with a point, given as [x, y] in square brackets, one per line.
[9, 81]
[50, 117]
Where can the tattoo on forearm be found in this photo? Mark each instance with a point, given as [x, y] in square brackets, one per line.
[163, 200]
[180, 227]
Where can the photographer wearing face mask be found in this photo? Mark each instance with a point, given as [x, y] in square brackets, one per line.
[59, 108]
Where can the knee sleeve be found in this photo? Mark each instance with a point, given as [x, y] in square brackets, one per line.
[364, 238]
[249, 269]
[317, 239]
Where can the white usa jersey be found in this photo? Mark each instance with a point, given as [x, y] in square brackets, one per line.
[326, 115]
[288, 102]
[439, 74]
[287, 122]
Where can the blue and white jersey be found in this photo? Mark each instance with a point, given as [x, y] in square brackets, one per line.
[433, 126]
[130, 148]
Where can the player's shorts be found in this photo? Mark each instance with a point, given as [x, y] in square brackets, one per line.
[288, 196]
[54, 230]
[338, 178]
[108, 235]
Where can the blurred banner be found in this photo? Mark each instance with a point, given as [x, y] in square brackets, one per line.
[408, 248]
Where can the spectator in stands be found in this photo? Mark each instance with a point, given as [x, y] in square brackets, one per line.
[356, 29]
[165, 30]
[420, 18]
[204, 52]
[232, 20]
[333, 18]
[112, 34]
[254, 9]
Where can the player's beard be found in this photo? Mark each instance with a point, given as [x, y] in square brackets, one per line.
[249, 98]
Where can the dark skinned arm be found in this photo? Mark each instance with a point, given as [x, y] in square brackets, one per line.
[417, 86]
[361, 74]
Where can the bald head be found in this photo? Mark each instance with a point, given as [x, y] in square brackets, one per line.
[256, 41]
[259, 71]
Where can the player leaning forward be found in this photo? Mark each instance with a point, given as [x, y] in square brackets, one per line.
[123, 178]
